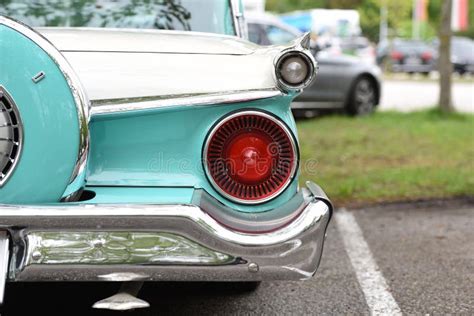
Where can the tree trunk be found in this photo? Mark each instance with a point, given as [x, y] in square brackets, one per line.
[444, 61]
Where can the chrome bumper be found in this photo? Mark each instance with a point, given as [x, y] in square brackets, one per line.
[161, 243]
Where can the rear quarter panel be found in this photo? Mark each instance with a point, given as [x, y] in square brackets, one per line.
[163, 147]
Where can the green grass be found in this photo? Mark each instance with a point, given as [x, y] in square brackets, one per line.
[389, 156]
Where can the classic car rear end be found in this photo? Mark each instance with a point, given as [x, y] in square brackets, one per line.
[410, 56]
[153, 156]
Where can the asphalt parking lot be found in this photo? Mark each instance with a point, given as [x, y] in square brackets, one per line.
[400, 258]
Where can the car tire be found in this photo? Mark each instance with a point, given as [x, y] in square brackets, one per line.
[363, 96]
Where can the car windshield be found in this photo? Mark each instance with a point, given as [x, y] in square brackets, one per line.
[214, 16]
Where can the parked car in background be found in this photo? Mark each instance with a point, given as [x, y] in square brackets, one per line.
[359, 46]
[408, 56]
[151, 155]
[462, 55]
[343, 82]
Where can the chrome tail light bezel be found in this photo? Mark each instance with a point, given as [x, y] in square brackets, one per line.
[275, 120]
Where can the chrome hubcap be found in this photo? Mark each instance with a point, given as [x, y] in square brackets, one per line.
[10, 135]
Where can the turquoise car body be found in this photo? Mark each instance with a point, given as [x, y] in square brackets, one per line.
[110, 181]
[21, 56]
[129, 150]
[169, 154]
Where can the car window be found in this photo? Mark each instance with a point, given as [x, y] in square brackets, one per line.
[255, 35]
[213, 16]
[411, 46]
[278, 36]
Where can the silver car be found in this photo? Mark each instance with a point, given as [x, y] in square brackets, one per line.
[343, 83]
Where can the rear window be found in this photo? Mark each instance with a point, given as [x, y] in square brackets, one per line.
[214, 16]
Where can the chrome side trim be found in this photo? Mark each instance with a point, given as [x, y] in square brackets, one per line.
[76, 216]
[293, 168]
[112, 106]
[80, 98]
[19, 127]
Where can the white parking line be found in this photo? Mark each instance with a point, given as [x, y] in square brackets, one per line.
[371, 280]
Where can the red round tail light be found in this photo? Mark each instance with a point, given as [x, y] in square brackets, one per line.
[250, 157]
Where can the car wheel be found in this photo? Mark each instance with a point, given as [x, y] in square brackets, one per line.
[362, 100]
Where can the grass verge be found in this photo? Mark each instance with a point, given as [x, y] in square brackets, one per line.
[389, 156]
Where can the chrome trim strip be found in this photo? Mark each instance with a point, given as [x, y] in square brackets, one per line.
[101, 107]
[238, 18]
[76, 215]
[293, 168]
[80, 98]
[18, 126]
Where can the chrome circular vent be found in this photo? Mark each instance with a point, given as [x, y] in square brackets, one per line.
[10, 135]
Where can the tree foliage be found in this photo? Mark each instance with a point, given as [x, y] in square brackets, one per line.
[399, 14]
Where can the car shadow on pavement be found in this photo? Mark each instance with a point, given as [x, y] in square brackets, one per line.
[77, 298]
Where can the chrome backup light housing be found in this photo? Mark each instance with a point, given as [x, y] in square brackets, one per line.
[299, 49]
